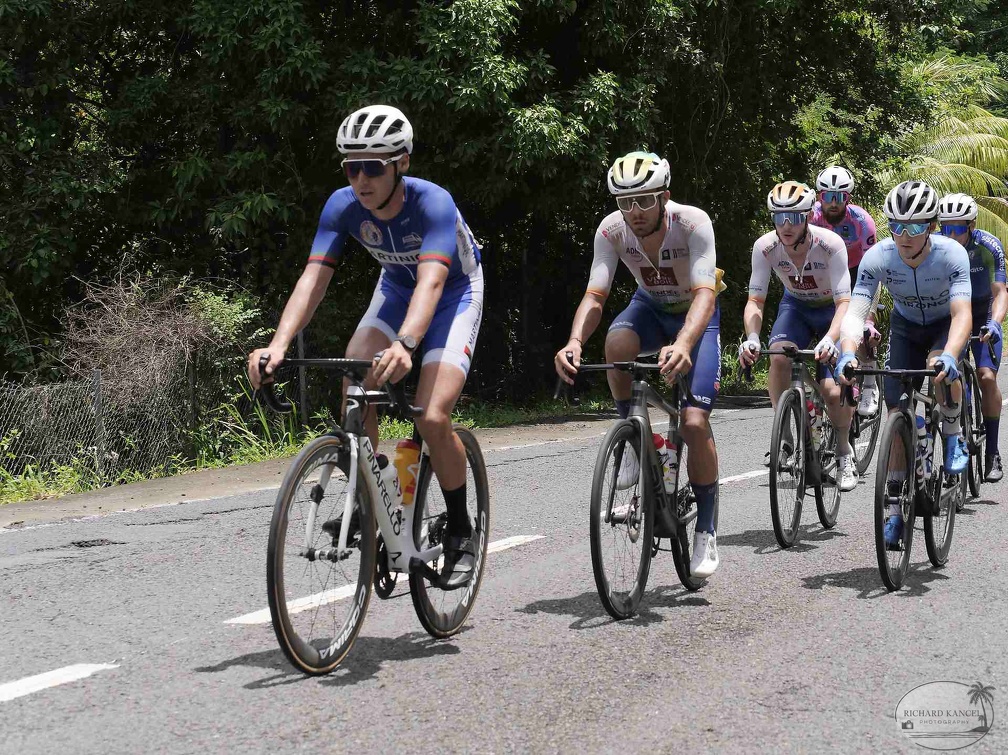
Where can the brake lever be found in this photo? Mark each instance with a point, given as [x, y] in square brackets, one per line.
[266, 389]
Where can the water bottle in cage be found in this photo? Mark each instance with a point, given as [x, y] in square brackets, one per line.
[672, 445]
[815, 424]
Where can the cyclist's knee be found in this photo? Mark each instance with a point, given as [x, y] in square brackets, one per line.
[621, 345]
[696, 426]
[435, 423]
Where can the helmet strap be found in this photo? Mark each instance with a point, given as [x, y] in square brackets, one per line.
[395, 186]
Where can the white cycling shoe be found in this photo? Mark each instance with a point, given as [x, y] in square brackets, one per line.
[629, 471]
[848, 473]
[868, 404]
[705, 559]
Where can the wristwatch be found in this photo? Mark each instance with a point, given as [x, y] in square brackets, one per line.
[409, 343]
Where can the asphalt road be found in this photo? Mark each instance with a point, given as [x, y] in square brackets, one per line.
[800, 650]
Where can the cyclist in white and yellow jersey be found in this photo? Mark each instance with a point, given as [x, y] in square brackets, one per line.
[811, 263]
[669, 248]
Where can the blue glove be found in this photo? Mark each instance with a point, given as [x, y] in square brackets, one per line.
[995, 331]
[846, 358]
[948, 365]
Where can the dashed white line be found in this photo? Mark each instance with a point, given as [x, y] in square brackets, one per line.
[39, 682]
[745, 476]
[331, 596]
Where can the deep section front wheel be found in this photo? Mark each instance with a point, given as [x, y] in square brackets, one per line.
[894, 500]
[621, 522]
[318, 599]
[787, 467]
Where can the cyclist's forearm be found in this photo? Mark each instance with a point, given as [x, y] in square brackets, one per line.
[697, 318]
[301, 305]
[587, 317]
[960, 328]
[423, 303]
[1000, 306]
[853, 322]
[838, 316]
[752, 318]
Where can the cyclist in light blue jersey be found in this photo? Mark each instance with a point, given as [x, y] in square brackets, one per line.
[430, 290]
[928, 277]
[957, 214]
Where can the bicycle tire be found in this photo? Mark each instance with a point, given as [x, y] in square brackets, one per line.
[977, 435]
[864, 450]
[785, 522]
[938, 529]
[306, 653]
[894, 572]
[443, 612]
[637, 521]
[827, 497]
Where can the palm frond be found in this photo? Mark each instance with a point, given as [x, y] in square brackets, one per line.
[993, 216]
[944, 177]
[985, 152]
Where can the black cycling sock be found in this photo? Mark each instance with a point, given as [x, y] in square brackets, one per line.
[459, 523]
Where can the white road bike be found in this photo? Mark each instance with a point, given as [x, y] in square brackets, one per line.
[325, 551]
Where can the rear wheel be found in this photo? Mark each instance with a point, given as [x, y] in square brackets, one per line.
[827, 493]
[686, 510]
[787, 467]
[894, 499]
[621, 526]
[443, 612]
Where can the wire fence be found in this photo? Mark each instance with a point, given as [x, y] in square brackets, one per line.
[90, 422]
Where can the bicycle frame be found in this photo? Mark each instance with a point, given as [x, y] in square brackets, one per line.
[395, 521]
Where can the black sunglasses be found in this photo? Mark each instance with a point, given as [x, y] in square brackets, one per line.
[372, 167]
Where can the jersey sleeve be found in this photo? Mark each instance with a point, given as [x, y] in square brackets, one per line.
[871, 273]
[440, 226]
[604, 263]
[960, 286]
[759, 279]
[997, 251]
[703, 258]
[840, 280]
[868, 232]
[332, 231]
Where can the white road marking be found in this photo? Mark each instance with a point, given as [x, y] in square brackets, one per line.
[340, 593]
[29, 684]
[745, 476]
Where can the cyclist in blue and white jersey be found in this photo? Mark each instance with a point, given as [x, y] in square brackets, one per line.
[430, 290]
[811, 263]
[928, 277]
[669, 249]
[957, 214]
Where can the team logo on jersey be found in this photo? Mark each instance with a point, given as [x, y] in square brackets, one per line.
[655, 279]
[819, 265]
[370, 234]
[412, 241]
[806, 283]
[666, 255]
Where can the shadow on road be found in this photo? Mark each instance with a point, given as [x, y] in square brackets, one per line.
[763, 541]
[868, 583]
[589, 613]
[364, 661]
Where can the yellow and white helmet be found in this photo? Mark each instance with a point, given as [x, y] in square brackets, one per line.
[790, 196]
[638, 173]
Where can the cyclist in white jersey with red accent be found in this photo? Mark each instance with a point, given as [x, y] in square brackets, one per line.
[669, 248]
[811, 263]
[857, 228]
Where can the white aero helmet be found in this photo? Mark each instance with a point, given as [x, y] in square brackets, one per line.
[957, 207]
[639, 173]
[911, 202]
[375, 128]
[790, 196]
[835, 178]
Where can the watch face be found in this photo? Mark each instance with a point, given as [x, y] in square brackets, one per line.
[408, 341]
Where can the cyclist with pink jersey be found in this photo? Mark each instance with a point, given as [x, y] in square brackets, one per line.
[855, 226]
